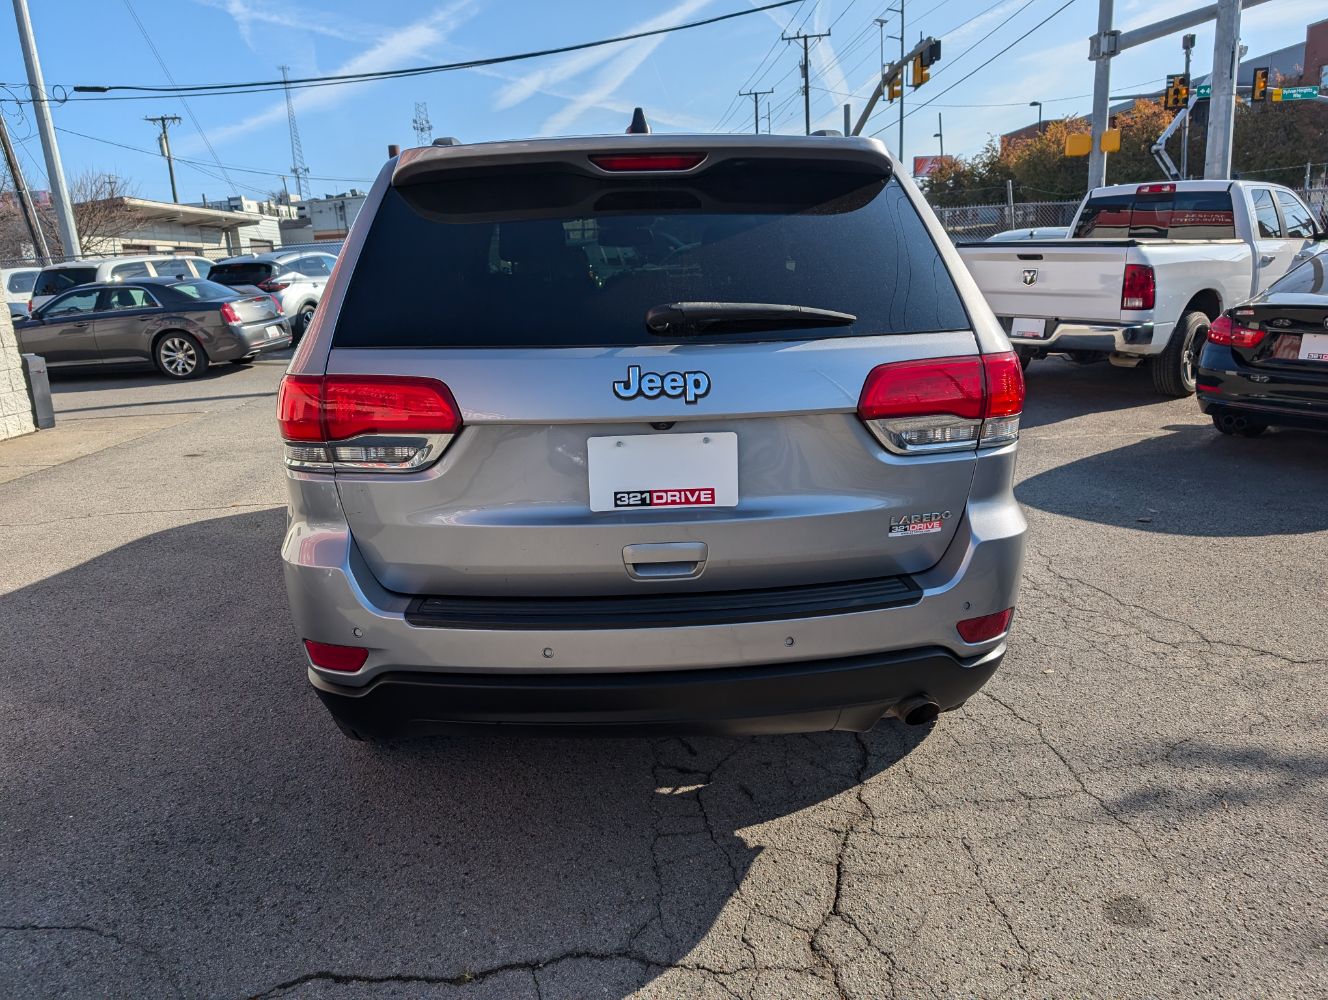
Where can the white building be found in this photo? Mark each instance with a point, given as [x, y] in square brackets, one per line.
[332, 214]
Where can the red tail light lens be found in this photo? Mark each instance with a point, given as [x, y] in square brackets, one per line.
[359, 404]
[1138, 288]
[273, 286]
[986, 628]
[944, 404]
[623, 162]
[331, 657]
[1224, 331]
[299, 408]
[384, 423]
[1155, 189]
[229, 315]
[923, 388]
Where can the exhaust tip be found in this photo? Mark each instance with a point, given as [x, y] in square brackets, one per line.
[919, 710]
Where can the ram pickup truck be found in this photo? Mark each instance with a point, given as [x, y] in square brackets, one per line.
[1145, 269]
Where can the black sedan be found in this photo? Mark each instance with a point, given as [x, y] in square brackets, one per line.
[179, 325]
[1265, 362]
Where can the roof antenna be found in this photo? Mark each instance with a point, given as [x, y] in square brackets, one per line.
[639, 124]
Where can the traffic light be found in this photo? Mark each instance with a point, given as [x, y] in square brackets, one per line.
[896, 86]
[1178, 91]
[1259, 88]
[920, 72]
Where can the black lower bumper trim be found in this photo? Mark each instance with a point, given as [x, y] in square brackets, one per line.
[850, 693]
[634, 611]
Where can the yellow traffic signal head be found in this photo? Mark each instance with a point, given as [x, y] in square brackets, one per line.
[896, 86]
[1259, 85]
[921, 73]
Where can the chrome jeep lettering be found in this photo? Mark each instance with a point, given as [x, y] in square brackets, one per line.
[689, 386]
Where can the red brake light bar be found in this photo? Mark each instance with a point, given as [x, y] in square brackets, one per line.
[1155, 189]
[629, 162]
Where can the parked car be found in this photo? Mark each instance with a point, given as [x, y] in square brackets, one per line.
[1147, 268]
[18, 282]
[57, 278]
[295, 277]
[1036, 233]
[751, 479]
[1265, 362]
[180, 326]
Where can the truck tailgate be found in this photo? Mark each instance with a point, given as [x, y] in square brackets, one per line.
[1060, 279]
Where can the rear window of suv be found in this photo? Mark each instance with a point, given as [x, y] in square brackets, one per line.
[246, 273]
[559, 259]
[1182, 215]
[58, 279]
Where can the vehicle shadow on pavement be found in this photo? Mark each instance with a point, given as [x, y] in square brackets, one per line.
[1191, 480]
[182, 819]
[92, 379]
[1058, 389]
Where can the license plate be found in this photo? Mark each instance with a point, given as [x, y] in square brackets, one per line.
[1313, 347]
[1032, 329]
[273, 332]
[658, 471]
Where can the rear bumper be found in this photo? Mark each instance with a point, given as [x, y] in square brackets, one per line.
[1121, 338]
[1280, 397]
[842, 694]
[251, 338]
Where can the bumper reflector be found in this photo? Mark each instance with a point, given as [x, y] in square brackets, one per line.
[330, 657]
[985, 628]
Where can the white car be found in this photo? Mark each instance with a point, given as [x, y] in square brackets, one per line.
[1146, 269]
[294, 277]
[18, 282]
[57, 278]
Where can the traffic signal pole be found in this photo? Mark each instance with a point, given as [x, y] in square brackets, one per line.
[1222, 103]
[1108, 43]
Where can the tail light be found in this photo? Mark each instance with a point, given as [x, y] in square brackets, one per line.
[629, 162]
[944, 404]
[1224, 331]
[366, 423]
[229, 315]
[273, 286]
[1155, 189]
[985, 628]
[332, 657]
[1138, 288]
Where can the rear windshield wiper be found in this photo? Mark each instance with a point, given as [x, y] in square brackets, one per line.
[738, 317]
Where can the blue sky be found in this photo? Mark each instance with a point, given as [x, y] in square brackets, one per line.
[687, 81]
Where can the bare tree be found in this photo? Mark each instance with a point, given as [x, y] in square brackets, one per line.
[101, 211]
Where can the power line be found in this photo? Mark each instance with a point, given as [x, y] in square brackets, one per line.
[263, 86]
[188, 110]
[989, 61]
[199, 163]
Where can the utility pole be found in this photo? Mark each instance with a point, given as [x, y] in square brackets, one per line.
[755, 95]
[940, 133]
[806, 74]
[30, 216]
[41, 110]
[848, 121]
[1222, 102]
[900, 152]
[165, 143]
[1186, 43]
[1107, 43]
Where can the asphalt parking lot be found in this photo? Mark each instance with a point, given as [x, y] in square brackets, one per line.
[1135, 806]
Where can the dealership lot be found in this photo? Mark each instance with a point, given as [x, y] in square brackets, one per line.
[1134, 806]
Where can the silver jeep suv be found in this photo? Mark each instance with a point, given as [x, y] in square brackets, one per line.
[653, 434]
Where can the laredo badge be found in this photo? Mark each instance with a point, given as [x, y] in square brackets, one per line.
[918, 524]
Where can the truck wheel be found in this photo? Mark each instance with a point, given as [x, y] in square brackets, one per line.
[1175, 368]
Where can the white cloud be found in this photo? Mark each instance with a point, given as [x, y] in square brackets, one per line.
[249, 16]
[621, 63]
[394, 49]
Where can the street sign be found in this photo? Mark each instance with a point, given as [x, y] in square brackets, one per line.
[1204, 91]
[1295, 93]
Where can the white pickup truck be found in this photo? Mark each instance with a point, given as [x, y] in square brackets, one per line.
[1145, 269]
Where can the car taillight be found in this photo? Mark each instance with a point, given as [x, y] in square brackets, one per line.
[373, 423]
[1223, 331]
[626, 162]
[273, 286]
[944, 404]
[1155, 189]
[229, 315]
[985, 628]
[1137, 288]
[329, 656]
